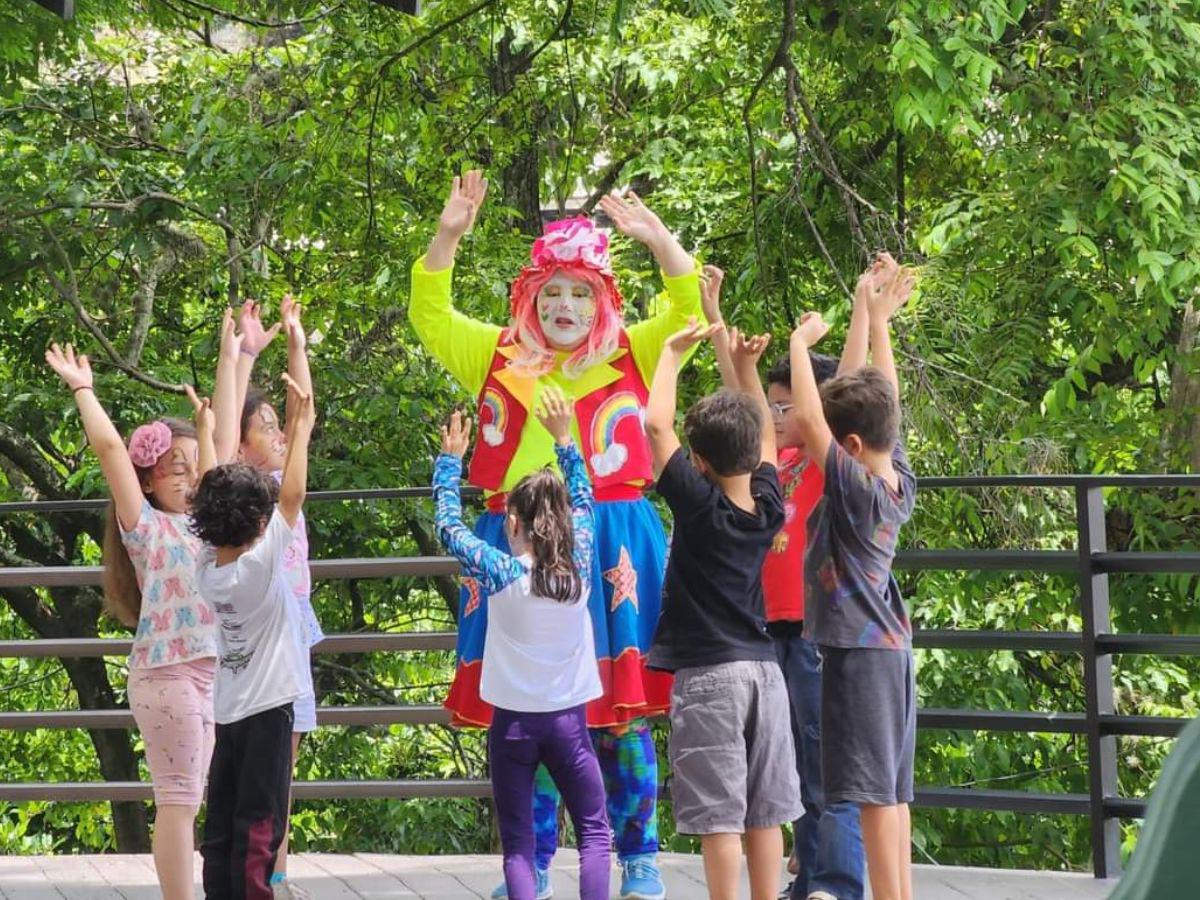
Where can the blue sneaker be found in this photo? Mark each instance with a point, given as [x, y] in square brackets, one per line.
[545, 890]
[640, 879]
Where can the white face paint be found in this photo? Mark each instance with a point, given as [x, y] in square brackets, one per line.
[566, 310]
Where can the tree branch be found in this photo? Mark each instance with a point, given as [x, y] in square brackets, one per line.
[25, 455]
[69, 291]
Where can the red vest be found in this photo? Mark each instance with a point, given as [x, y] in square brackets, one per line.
[610, 420]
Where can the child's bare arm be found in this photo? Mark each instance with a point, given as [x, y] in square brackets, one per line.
[746, 351]
[205, 426]
[806, 398]
[102, 435]
[297, 350]
[660, 408]
[710, 301]
[882, 307]
[224, 401]
[294, 485]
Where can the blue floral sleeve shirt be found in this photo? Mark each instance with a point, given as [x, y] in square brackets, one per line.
[493, 568]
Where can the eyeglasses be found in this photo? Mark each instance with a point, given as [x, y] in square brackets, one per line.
[779, 410]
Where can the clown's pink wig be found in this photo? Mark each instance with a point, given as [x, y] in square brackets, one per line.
[535, 356]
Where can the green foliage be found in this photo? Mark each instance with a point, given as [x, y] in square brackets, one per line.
[1038, 161]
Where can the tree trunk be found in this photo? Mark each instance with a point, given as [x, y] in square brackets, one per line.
[1183, 432]
[521, 179]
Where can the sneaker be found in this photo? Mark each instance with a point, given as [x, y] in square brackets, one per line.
[786, 893]
[640, 879]
[821, 895]
[545, 890]
[289, 890]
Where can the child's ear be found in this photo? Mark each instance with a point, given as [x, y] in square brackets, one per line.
[854, 445]
[701, 464]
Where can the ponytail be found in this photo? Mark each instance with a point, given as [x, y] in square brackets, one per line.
[542, 506]
[122, 596]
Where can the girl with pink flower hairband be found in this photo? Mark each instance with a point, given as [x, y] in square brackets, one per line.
[149, 584]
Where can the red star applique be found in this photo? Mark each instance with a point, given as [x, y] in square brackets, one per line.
[623, 578]
[472, 587]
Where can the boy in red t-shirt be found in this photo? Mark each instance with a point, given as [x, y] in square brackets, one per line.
[827, 853]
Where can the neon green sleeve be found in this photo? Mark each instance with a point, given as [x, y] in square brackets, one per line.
[646, 338]
[462, 344]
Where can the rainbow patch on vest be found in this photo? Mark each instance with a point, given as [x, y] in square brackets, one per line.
[609, 454]
[493, 417]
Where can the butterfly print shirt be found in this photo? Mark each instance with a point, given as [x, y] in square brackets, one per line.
[176, 624]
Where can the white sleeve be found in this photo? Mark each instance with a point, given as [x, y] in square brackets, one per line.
[268, 552]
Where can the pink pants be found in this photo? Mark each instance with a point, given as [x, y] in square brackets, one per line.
[173, 708]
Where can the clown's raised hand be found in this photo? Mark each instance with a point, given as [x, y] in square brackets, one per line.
[458, 217]
[633, 218]
[466, 196]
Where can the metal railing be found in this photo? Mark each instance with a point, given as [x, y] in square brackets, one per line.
[1098, 723]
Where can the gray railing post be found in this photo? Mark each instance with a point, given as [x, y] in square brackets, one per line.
[1097, 681]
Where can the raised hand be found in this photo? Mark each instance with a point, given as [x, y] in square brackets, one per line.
[255, 338]
[711, 279]
[882, 269]
[811, 329]
[747, 349]
[456, 436]
[556, 411]
[289, 318]
[76, 372]
[883, 304]
[231, 339]
[466, 197]
[633, 218]
[300, 403]
[682, 341]
[202, 413]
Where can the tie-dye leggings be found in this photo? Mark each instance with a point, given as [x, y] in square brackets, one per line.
[630, 770]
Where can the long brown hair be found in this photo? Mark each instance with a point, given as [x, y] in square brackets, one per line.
[122, 596]
[541, 504]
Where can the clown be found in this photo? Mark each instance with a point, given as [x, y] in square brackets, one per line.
[567, 330]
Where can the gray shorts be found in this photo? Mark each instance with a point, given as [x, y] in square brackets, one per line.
[868, 725]
[733, 766]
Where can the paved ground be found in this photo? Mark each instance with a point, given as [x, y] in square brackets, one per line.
[377, 877]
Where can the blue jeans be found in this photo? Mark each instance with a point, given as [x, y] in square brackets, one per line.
[828, 838]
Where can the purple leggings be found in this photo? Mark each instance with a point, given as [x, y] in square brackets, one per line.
[517, 743]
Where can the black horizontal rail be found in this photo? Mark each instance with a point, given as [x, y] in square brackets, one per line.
[410, 641]
[1133, 482]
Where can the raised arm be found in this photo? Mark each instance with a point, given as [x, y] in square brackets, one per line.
[870, 283]
[294, 484]
[681, 278]
[460, 343]
[710, 300]
[882, 307]
[205, 425]
[492, 568]
[297, 350]
[102, 435]
[556, 411]
[745, 352]
[660, 408]
[239, 352]
[806, 398]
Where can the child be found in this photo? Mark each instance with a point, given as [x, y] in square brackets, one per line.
[248, 428]
[150, 583]
[263, 654]
[731, 752]
[539, 661]
[827, 859]
[854, 610]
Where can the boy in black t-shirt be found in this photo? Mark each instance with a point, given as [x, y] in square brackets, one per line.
[733, 764]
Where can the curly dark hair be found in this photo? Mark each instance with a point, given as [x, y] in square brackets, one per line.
[726, 429]
[232, 505]
[824, 368]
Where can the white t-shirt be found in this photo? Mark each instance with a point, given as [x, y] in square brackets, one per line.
[539, 654]
[263, 649]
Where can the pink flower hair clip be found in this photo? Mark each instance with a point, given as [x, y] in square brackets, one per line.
[149, 444]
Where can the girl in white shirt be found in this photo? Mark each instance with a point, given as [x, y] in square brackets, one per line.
[539, 662]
